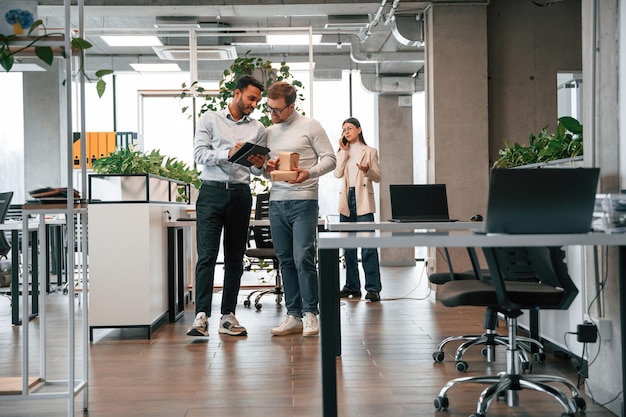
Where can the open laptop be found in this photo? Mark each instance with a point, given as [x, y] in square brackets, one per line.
[543, 200]
[419, 203]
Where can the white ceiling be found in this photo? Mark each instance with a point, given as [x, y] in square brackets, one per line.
[357, 34]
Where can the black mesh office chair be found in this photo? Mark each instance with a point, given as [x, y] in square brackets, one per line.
[554, 290]
[490, 338]
[263, 250]
[5, 202]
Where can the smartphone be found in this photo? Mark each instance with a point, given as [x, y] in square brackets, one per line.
[344, 141]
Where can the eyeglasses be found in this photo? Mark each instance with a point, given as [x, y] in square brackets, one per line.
[277, 112]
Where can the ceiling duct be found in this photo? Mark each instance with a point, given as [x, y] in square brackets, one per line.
[408, 30]
[347, 22]
[204, 53]
[176, 28]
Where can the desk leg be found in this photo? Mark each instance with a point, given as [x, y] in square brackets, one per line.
[175, 274]
[622, 293]
[35, 275]
[15, 278]
[330, 327]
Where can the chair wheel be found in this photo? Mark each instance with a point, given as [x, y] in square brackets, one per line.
[580, 403]
[477, 415]
[527, 367]
[441, 403]
[246, 303]
[438, 356]
[258, 306]
[279, 298]
[539, 357]
[462, 366]
[484, 352]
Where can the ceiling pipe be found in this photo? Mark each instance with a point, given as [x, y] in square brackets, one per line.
[364, 57]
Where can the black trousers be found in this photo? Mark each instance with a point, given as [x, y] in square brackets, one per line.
[220, 209]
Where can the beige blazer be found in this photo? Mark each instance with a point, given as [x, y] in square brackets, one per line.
[364, 190]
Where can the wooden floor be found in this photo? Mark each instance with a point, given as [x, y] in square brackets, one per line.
[386, 368]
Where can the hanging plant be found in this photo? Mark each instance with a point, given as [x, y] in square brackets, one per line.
[12, 45]
[246, 65]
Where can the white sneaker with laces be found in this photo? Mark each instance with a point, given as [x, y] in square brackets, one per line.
[290, 325]
[311, 325]
[230, 325]
[200, 326]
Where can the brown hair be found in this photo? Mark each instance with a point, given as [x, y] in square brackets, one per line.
[282, 89]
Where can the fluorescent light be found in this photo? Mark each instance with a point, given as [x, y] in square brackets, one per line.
[155, 67]
[132, 40]
[290, 39]
[294, 66]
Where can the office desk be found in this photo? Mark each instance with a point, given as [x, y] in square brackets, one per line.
[329, 244]
[360, 226]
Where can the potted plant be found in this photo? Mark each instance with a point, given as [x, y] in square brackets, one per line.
[566, 143]
[246, 65]
[129, 161]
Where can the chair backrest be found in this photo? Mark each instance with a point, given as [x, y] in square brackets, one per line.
[262, 208]
[544, 265]
[5, 202]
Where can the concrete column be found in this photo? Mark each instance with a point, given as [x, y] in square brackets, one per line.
[603, 57]
[45, 141]
[395, 150]
[457, 112]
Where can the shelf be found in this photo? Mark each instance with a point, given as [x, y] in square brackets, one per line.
[13, 385]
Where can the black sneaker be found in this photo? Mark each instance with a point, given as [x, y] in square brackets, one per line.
[372, 296]
[347, 294]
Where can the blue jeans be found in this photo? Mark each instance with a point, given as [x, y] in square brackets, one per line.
[217, 210]
[369, 256]
[293, 225]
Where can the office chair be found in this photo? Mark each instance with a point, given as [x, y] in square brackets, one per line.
[5, 202]
[490, 338]
[263, 249]
[554, 290]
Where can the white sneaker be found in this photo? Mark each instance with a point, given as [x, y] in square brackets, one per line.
[290, 325]
[200, 326]
[230, 325]
[311, 326]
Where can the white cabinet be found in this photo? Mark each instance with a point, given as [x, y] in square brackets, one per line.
[128, 264]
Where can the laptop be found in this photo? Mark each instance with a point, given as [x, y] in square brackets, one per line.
[419, 203]
[542, 200]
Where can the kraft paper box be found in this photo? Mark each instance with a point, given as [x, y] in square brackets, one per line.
[287, 162]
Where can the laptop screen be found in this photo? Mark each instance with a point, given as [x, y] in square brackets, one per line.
[418, 202]
[543, 200]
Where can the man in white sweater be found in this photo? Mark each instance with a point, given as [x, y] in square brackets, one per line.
[294, 206]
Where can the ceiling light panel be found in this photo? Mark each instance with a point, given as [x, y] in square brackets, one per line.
[119, 40]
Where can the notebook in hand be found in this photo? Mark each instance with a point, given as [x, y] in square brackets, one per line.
[419, 203]
[541, 201]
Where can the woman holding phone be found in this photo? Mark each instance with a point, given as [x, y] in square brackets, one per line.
[357, 164]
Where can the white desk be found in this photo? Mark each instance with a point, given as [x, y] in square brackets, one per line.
[360, 226]
[329, 244]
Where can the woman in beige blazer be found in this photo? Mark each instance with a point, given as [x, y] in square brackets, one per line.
[357, 164]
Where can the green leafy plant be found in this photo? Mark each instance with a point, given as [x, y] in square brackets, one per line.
[129, 161]
[9, 49]
[567, 142]
[246, 65]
